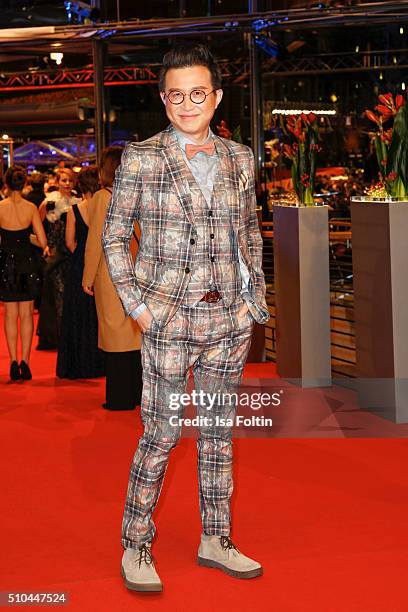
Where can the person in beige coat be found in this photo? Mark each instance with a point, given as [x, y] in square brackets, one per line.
[118, 334]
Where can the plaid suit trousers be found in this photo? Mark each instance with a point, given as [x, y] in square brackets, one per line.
[214, 341]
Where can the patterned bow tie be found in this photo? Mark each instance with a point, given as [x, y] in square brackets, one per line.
[192, 149]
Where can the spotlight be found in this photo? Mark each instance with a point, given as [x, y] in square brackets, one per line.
[81, 12]
[267, 45]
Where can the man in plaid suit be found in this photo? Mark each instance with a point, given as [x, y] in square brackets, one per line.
[195, 290]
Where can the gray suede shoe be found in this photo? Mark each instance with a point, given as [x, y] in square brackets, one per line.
[138, 570]
[220, 552]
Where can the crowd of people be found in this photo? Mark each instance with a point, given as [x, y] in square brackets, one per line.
[51, 260]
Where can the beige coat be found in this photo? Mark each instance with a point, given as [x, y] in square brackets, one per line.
[116, 331]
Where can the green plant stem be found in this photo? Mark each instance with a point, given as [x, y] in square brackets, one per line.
[308, 197]
[398, 188]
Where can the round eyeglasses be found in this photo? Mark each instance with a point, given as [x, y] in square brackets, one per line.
[197, 96]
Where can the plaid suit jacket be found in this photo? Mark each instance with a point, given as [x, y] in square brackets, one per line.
[152, 187]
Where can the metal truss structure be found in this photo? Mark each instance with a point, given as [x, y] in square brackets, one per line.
[261, 25]
[233, 71]
[337, 63]
[81, 77]
[360, 15]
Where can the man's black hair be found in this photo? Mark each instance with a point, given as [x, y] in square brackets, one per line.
[186, 56]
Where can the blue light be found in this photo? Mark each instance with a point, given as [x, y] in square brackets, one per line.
[267, 45]
[259, 24]
[263, 24]
[78, 11]
[106, 33]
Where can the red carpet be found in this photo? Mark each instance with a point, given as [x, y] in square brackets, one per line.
[328, 518]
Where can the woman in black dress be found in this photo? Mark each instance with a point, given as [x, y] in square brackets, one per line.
[78, 353]
[53, 212]
[20, 270]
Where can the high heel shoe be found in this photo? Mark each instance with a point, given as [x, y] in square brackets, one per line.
[14, 372]
[25, 371]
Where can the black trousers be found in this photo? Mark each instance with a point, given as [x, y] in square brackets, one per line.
[123, 380]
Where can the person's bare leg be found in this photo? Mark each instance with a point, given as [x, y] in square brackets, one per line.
[11, 328]
[26, 310]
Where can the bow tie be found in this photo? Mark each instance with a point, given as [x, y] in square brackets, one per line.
[192, 149]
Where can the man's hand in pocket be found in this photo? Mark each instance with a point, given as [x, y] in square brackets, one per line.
[144, 320]
[243, 310]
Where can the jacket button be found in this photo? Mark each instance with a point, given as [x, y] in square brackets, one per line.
[212, 236]
[187, 270]
[192, 241]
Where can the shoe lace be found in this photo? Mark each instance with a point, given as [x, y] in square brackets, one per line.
[227, 543]
[145, 555]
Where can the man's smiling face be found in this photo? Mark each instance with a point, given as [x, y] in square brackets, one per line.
[191, 119]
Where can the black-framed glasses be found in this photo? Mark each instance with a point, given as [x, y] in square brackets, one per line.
[197, 96]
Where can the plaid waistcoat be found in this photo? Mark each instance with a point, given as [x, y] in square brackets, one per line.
[215, 262]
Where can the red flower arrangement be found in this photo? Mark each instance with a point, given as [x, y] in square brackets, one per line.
[302, 154]
[391, 145]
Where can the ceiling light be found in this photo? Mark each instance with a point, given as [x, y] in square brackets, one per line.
[292, 111]
[57, 57]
